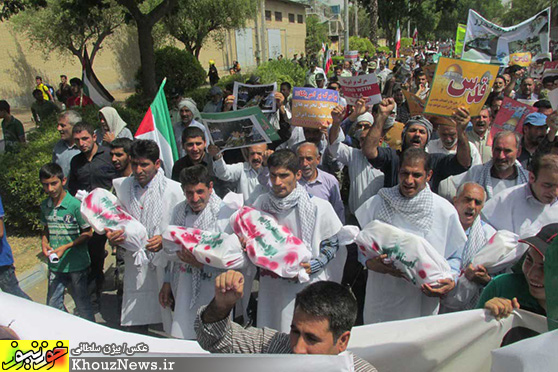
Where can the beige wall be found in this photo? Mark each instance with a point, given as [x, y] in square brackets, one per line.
[115, 65]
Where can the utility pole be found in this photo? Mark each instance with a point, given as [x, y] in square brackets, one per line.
[262, 44]
[355, 5]
[346, 26]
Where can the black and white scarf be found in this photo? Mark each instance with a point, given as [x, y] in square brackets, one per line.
[485, 179]
[418, 210]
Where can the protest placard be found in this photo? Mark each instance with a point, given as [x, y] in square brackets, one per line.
[236, 129]
[262, 96]
[459, 38]
[550, 69]
[520, 59]
[415, 104]
[489, 43]
[510, 117]
[460, 83]
[312, 106]
[351, 55]
[407, 51]
[355, 87]
[553, 98]
[393, 61]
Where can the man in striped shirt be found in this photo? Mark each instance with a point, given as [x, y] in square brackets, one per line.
[323, 317]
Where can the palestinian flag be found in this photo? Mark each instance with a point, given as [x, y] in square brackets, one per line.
[157, 126]
[397, 41]
[327, 59]
[92, 87]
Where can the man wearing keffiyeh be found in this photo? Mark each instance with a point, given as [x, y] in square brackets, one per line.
[190, 283]
[313, 220]
[149, 197]
[412, 207]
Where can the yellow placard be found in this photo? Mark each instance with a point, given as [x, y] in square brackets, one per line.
[460, 83]
[392, 61]
[521, 59]
[415, 104]
[51, 355]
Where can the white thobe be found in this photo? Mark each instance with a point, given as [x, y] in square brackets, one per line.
[140, 302]
[276, 295]
[389, 298]
[243, 174]
[517, 210]
[181, 278]
[436, 147]
[366, 180]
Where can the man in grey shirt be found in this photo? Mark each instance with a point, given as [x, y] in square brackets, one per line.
[65, 149]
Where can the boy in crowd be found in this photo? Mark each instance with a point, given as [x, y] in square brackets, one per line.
[64, 243]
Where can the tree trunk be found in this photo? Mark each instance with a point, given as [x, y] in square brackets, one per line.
[374, 22]
[147, 58]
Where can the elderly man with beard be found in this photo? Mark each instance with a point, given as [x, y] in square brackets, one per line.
[500, 173]
[447, 143]
[469, 202]
[150, 198]
[480, 132]
[310, 219]
[534, 131]
[191, 283]
[245, 176]
[414, 208]
[526, 208]
[188, 118]
[416, 134]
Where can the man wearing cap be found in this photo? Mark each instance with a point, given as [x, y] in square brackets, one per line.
[320, 80]
[78, 98]
[526, 208]
[216, 102]
[417, 133]
[534, 131]
[525, 290]
[447, 143]
[311, 74]
[189, 116]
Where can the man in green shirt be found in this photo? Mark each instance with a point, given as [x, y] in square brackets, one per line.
[64, 242]
[41, 109]
[12, 128]
[524, 290]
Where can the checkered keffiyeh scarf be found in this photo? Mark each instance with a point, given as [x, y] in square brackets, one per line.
[206, 221]
[475, 241]
[418, 210]
[485, 179]
[148, 208]
[305, 208]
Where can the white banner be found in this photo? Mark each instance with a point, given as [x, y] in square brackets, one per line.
[450, 342]
[489, 43]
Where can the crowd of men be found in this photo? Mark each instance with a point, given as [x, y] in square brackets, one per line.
[435, 177]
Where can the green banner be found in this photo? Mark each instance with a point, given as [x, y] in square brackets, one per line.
[459, 38]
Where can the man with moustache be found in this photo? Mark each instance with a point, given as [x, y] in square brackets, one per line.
[534, 131]
[120, 156]
[480, 132]
[447, 143]
[65, 149]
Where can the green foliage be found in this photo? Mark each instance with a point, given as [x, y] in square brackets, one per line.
[193, 27]
[384, 49]
[316, 34]
[69, 26]
[230, 79]
[361, 44]
[181, 68]
[523, 9]
[337, 60]
[281, 71]
[200, 96]
[406, 42]
[137, 102]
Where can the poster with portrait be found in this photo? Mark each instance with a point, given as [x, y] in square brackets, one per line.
[487, 42]
[312, 106]
[510, 117]
[262, 96]
[460, 83]
[237, 129]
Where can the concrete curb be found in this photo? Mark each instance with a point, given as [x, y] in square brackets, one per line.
[33, 276]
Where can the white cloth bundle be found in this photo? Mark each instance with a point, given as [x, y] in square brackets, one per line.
[502, 252]
[411, 254]
[101, 210]
[215, 249]
[270, 245]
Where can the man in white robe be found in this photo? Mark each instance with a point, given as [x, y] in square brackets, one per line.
[526, 209]
[312, 220]
[192, 282]
[150, 198]
[414, 208]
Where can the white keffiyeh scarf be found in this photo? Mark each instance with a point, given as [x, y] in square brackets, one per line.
[206, 221]
[417, 210]
[485, 179]
[307, 211]
[475, 241]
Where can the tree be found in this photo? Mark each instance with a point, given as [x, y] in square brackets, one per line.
[193, 27]
[524, 9]
[316, 34]
[371, 7]
[146, 17]
[361, 44]
[68, 28]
